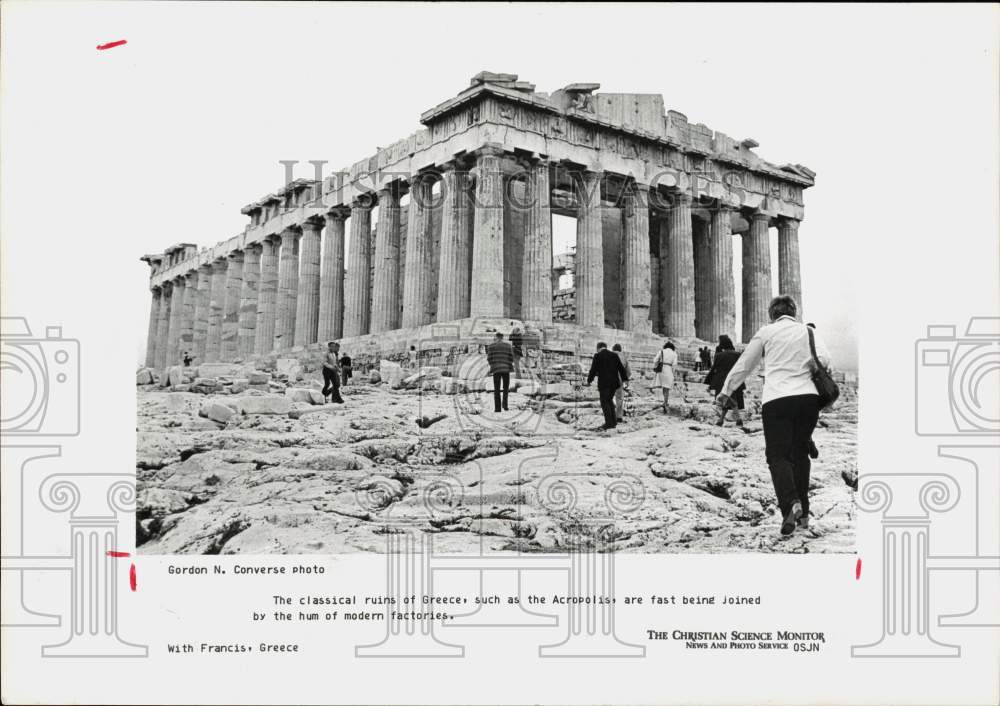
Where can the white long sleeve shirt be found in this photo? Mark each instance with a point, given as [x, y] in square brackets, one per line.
[783, 345]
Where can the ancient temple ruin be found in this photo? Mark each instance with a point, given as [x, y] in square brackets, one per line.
[463, 233]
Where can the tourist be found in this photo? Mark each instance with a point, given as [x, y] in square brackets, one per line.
[187, 359]
[611, 374]
[517, 343]
[331, 373]
[411, 358]
[705, 356]
[725, 358]
[663, 367]
[500, 356]
[346, 372]
[620, 392]
[791, 404]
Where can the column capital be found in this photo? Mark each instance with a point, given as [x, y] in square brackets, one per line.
[788, 223]
[254, 248]
[235, 256]
[289, 235]
[315, 224]
[338, 213]
[218, 266]
[759, 216]
[363, 203]
[191, 276]
[490, 150]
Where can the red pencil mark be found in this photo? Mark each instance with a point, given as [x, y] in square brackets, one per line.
[131, 577]
[857, 569]
[111, 45]
[117, 555]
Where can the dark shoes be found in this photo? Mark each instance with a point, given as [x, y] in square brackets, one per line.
[791, 519]
[813, 451]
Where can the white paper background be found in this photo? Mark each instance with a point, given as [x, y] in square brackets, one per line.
[111, 154]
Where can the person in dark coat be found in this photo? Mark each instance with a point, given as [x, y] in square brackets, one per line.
[725, 358]
[500, 356]
[705, 357]
[607, 367]
[346, 372]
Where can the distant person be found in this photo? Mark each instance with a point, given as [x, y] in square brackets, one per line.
[725, 358]
[705, 357]
[500, 356]
[620, 392]
[517, 343]
[663, 367]
[346, 372]
[610, 373]
[411, 358]
[331, 373]
[791, 404]
[187, 359]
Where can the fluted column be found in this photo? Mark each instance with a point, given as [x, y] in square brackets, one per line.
[248, 301]
[357, 286]
[186, 344]
[267, 297]
[288, 290]
[231, 312]
[756, 275]
[635, 257]
[677, 275]
[154, 316]
[456, 244]
[416, 278]
[174, 323]
[789, 279]
[307, 302]
[536, 268]
[216, 307]
[487, 240]
[163, 326]
[702, 280]
[385, 294]
[202, 305]
[722, 288]
[588, 277]
[331, 282]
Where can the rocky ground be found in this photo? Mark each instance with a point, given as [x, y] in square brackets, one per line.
[248, 463]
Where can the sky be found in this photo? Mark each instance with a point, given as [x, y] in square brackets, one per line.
[164, 139]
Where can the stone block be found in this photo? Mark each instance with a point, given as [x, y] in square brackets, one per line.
[215, 370]
[264, 404]
[291, 367]
[216, 411]
[175, 376]
[419, 379]
[258, 378]
[391, 373]
[144, 376]
[303, 394]
[238, 385]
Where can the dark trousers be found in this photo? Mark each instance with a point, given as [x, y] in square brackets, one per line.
[608, 405]
[788, 427]
[331, 385]
[345, 374]
[500, 379]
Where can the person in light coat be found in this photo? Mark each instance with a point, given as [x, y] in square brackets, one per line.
[664, 379]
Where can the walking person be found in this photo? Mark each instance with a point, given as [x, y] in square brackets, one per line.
[620, 392]
[517, 343]
[663, 367]
[611, 374]
[725, 358]
[791, 404]
[346, 371]
[331, 373]
[706, 358]
[500, 356]
[411, 358]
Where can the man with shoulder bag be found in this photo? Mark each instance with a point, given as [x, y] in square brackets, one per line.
[797, 385]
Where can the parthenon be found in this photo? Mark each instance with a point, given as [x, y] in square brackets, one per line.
[462, 213]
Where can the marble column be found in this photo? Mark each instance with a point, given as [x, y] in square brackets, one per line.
[722, 288]
[487, 240]
[307, 302]
[789, 279]
[187, 315]
[385, 293]
[702, 282]
[635, 258]
[267, 297]
[655, 303]
[231, 311]
[536, 268]
[416, 279]
[456, 244]
[588, 277]
[174, 322]
[202, 306]
[163, 325]
[331, 281]
[288, 290]
[248, 301]
[216, 309]
[677, 273]
[756, 275]
[154, 316]
[357, 286]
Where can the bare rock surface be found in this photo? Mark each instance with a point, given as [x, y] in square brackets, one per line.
[260, 470]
